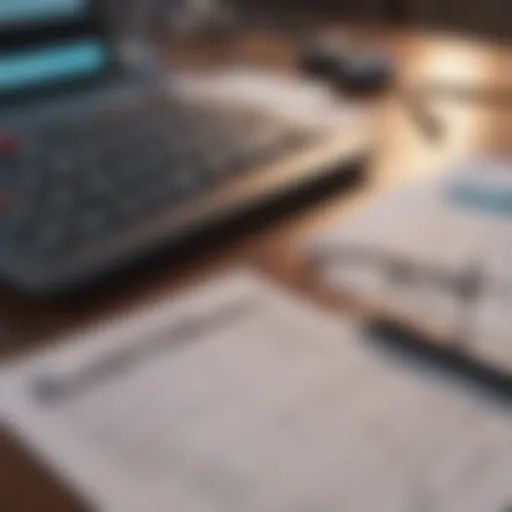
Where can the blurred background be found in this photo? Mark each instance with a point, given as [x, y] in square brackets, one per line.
[316, 95]
[484, 17]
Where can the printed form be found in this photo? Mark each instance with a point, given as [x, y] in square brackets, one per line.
[238, 397]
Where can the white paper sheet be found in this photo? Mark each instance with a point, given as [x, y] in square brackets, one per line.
[239, 398]
[426, 227]
[298, 100]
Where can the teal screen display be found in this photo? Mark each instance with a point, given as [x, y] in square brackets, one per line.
[485, 199]
[28, 11]
[51, 63]
[48, 62]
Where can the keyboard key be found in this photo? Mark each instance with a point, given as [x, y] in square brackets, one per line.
[98, 185]
[28, 182]
[5, 201]
[16, 224]
[62, 200]
[93, 223]
[8, 145]
[50, 239]
[187, 182]
[124, 208]
[62, 162]
[90, 157]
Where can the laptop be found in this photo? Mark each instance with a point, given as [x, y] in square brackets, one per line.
[102, 162]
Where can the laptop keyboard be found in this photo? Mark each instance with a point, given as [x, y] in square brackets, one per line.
[72, 183]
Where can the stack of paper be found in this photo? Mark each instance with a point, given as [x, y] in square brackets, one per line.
[455, 229]
[301, 101]
[239, 398]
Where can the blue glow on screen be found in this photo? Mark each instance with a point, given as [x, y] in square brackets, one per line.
[51, 63]
[21, 11]
[491, 200]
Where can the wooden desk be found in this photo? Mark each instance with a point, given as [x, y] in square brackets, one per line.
[405, 154]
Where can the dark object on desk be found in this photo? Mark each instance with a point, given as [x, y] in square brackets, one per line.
[469, 286]
[348, 68]
[449, 360]
[100, 162]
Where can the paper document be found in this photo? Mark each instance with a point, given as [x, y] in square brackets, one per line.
[298, 100]
[417, 250]
[239, 398]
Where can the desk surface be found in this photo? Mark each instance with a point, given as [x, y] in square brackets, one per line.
[405, 154]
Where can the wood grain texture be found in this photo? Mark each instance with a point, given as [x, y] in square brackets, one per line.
[273, 247]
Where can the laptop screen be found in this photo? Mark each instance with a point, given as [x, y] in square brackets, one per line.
[47, 42]
[30, 11]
